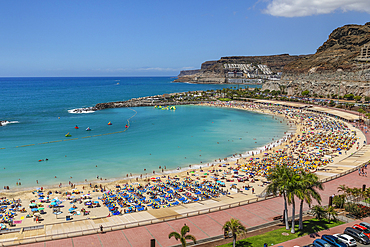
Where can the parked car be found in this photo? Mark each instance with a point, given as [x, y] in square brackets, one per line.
[363, 229]
[365, 224]
[321, 243]
[350, 241]
[333, 240]
[358, 235]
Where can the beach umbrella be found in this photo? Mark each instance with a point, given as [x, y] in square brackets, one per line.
[71, 209]
[34, 209]
[40, 209]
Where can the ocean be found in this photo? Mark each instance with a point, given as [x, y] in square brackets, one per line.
[33, 145]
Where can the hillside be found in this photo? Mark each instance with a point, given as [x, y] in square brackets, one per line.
[337, 68]
[338, 53]
[215, 71]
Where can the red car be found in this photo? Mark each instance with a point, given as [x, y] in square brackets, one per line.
[363, 229]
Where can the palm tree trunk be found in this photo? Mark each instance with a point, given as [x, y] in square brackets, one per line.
[286, 212]
[234, 240]
[293, 214]
[300, 216]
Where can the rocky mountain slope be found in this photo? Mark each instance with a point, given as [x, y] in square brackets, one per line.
[335, 68]
[338, 53]
[214, 71]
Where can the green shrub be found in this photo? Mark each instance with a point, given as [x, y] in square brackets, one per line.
[338, 201]
[356, 210]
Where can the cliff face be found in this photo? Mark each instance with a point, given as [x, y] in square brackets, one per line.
[333, 69]
[337, 54]
[214, 71]
[275, 62]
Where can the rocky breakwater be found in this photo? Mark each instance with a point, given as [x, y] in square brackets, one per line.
[163, 100]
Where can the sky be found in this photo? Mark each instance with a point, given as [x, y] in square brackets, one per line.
[159, 38]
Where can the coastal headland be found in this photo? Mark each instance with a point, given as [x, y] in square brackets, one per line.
[218, 185]
[340, 66]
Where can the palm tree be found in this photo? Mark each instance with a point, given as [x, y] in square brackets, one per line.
[183, 237]
[367, 195]
[307, 192]
[357, 194]
[278, 177]
[331, 213]
[318, 211]
[235, 227]
[294, 187]
[345, 190]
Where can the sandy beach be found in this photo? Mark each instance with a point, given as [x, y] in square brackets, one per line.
[315, 141]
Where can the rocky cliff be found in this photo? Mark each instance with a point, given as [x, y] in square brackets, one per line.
[337, 54]
[333, 69]
[214, 71]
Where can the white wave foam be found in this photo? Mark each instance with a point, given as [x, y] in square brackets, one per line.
[3, 123]
[82, 110]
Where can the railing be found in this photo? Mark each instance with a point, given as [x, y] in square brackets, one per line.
[94, 230]
[345, 172]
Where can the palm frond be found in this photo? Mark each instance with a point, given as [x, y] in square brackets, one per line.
[174, 234]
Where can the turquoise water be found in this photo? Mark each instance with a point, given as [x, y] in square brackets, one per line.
[189, 135]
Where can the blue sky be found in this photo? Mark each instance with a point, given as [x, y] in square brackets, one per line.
[159, 38]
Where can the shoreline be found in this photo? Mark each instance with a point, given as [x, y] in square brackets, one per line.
[173, 172]
[252, 188]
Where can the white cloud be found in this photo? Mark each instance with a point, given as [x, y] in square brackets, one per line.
[297, 8]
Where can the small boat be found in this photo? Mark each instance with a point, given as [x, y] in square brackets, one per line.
[76, 127]
[68, 135]
[88, 129]
[109, 123]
